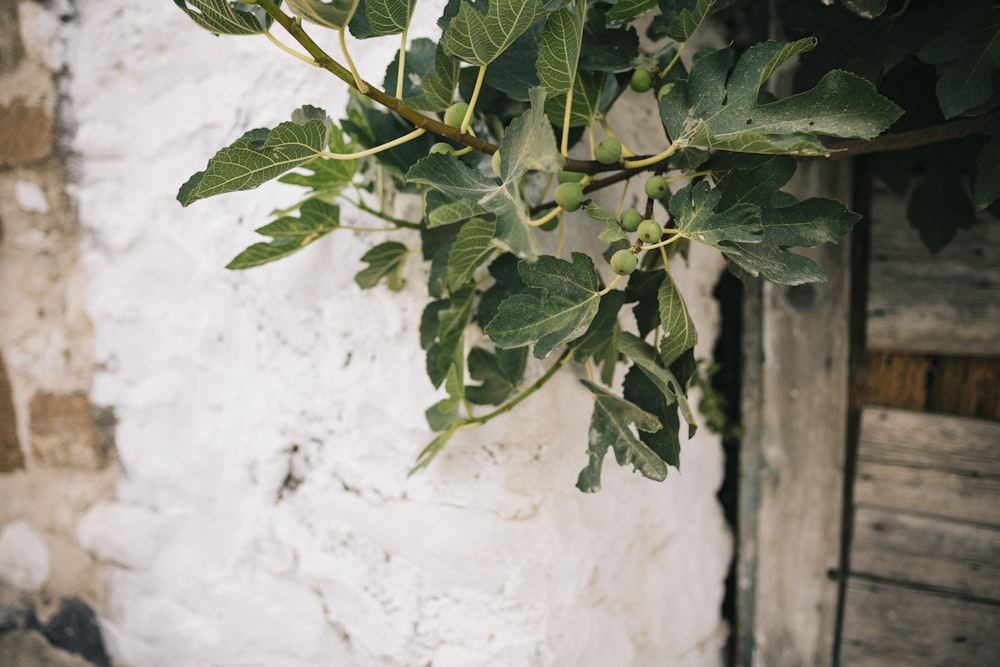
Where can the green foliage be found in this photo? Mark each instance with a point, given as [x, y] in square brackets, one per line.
[538, 79]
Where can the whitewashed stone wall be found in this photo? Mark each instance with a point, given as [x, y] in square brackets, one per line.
[266, 420]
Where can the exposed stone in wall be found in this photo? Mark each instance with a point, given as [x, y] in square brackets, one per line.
[11, 456]
[25, 133]
[55, 446]
[64, 432]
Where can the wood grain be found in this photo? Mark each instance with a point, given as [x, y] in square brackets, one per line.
[945, 303]
[886, 625]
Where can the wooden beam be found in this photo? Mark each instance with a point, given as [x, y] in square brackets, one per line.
[931, 552]
[889, 624]
[945, 303]
[792, 459]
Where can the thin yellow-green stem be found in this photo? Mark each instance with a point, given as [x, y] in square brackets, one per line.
[666, 260]
[660, 244]
[467, 121]
[626, 151]
[397, 222]
[567, 115]
[289, 50]
[637, 164]
[401, 70]
[610, 286]
[538, 222]
[362, 86]
[325, 61]
[673, 61]
[590, 138]
[621, 200]
[377, 149]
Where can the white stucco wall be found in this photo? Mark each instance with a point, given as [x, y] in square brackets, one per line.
[225, 383]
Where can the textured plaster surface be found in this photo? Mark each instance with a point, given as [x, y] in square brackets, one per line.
[267, 419]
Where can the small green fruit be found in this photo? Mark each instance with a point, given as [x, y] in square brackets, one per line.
[549, 225]
[570, 176]
[569, 196]
[624, 262]
[630, 220]
[641, 80]
[496, 163]
[455, 114]
[657, 187]
[441, 147]
[649, 231]
[608, 150]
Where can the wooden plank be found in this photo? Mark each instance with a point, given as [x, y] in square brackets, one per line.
[891, 380]
[958, 444]
[929, 491]
[792, 460]
[946, 303]
[928, 551]
[966, 386]
[887, 625]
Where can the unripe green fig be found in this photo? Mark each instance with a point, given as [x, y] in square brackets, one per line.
[455, 114]
[630, 220]
[496, 162]
[549, 225]
[641, 80]
[608, 150]
[570, 176]
[624, 262]
[569, 196]
[657, 187]
[649, 231]
[441, 147]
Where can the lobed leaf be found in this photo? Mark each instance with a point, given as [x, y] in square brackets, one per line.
[445, 328]
[224, 17]
[559, 47]
[673, 389]
[473, 246]
[497, 373]
[385, 261]
[388, 17]
[290, 234]
[528, 144]
[559, 305]
[437, 87]
[716, 111]
[328, 13]
[479, 38]
[637, 388]
[260, 155]
[610, 427]
[967, 55]
[625, 11]
[679, 333]
[612, 230]
[682, 17]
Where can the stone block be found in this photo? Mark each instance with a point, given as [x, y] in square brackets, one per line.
[11, 456]
[65, 432]
[24, 648]
[26, 133]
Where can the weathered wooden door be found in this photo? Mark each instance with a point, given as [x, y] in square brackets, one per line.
[869, 523]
